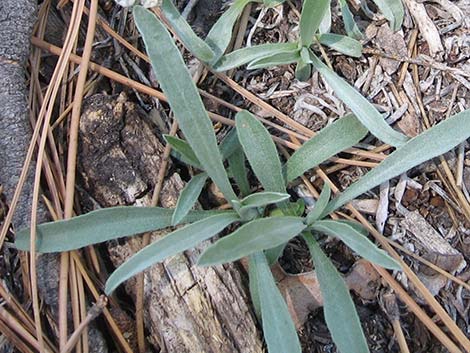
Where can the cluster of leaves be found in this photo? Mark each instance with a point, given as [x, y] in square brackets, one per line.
[263, 232]
[314, 27]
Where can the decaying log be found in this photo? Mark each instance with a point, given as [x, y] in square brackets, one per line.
[188, 308]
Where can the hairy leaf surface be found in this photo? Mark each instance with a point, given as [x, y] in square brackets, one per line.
[183, 97]
[101, 225]
[429, 144]
[170, 245]
[340, 314]
[257, 235]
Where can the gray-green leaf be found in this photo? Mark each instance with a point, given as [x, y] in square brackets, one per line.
[245, 55]
[278, 328]
[188, 197]
[393, 12]
[350, 25]
[283, 58]
[261, 152]
[261, 199]
[342, 44]
[230, 144]
[253, 284]
[239, 171]
[340, 314]
[170, 245]
[333, 139]
[183, 151]
[252, 237]
[185, 33]
[431, 143]
[303, 69]
[183, 97]
[312, 15]
[325, 25]
[357, 242]
[320, 205]
[272, 3]
[101, 225]
[220, 34]
[356, 225]
[360, 106]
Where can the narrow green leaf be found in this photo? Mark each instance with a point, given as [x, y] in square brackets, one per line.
[393, 12]
[252, 237]
[239, 171]
[357, 242]
[356, 225]
[360, 106]
[429, 144]
[333, 139]
[272, 3]
[221, 33]
[286, 209]
[296, 209]
[245, 55]
[342, 44]
[183, 97]
[253, 284]
[320, 205]
[261, 152]
[312, 15]
[101, 225]
[305, 55]
[303, 70]
[261, 199]
[185, 33]
[350, 25]
[233, 152]
[275, 253]
[325, 25]
[340, 314]
[183, 151]
[170, 245]
[278, 328]
[278, 59]
[188, 197]
[230, 144]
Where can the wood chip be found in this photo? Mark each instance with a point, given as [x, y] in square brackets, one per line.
[428, 237]
[426, 26]
[382, 210]
[368, 206]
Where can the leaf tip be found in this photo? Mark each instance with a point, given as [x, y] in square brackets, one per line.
[203, 262]
[393, 265]
[110, 286]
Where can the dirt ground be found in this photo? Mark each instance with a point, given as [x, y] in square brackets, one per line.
[416, 77]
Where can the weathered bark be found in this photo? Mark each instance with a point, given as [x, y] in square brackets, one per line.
[188, 309]
[17, 18]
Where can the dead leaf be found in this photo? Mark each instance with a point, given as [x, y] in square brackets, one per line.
[303, 295]
[428, 237]
[364, 280]
[393, 44]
